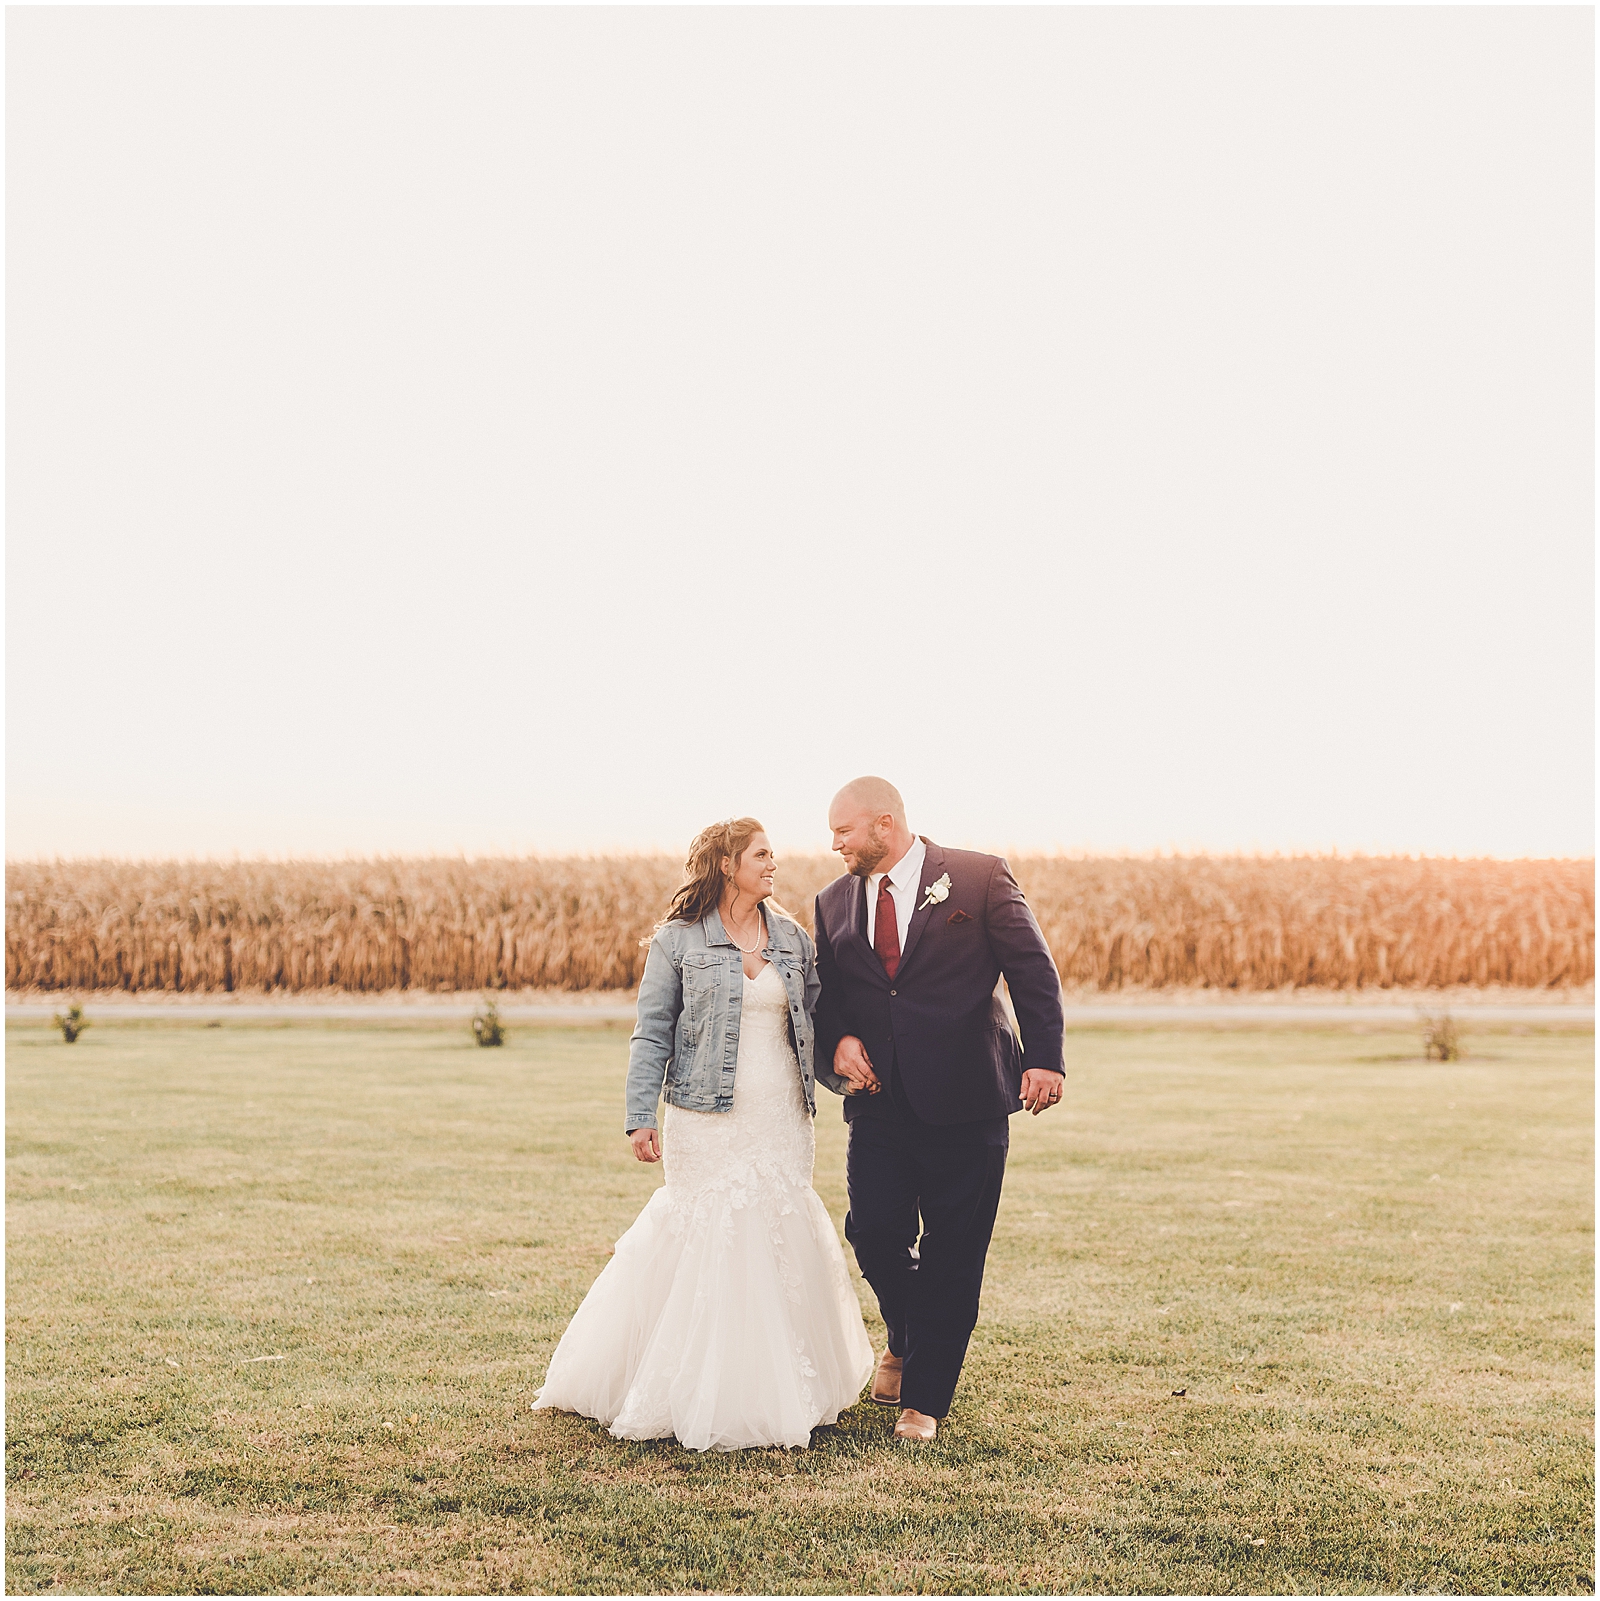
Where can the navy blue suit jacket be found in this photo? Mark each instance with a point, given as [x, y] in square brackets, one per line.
[941, 1021]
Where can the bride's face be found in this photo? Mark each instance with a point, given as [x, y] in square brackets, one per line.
[753, 877]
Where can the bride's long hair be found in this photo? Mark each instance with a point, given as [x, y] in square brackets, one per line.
[703, 877]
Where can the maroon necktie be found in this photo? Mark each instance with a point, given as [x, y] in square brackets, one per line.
[886, 929]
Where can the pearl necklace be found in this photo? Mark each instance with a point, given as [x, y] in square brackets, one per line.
[749, 950]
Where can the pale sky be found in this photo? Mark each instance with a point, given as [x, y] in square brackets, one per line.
[545, 430]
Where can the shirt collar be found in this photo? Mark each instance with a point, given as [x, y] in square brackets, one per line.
[909, 868]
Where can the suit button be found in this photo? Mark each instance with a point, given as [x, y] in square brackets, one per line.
[894, 992]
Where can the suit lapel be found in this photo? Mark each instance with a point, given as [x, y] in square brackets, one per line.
[932, 868]
[855, 910]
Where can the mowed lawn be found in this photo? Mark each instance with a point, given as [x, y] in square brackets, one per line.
[1267, 1310]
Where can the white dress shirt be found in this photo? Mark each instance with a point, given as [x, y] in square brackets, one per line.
[904, 878]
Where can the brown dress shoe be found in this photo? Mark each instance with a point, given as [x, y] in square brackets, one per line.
[886, 1381]
[914, 1425]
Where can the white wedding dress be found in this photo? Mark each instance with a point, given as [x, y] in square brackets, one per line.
[726, 1316]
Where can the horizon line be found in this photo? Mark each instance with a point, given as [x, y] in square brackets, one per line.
[1016, 853]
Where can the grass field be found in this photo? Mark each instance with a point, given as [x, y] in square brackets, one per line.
[278, 1300]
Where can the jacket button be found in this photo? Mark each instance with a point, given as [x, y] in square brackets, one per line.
[894, 992]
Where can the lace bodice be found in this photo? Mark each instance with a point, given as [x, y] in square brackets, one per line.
[768, 1132]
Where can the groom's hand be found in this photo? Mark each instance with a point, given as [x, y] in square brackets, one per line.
[1041, 1089]
[646, 1143]
[850, 1062]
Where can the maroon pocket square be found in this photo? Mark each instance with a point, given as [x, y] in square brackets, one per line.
[959, 917]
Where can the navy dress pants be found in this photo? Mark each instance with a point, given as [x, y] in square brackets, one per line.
[907, 1179]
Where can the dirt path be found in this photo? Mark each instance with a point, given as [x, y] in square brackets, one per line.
[1538, 1007]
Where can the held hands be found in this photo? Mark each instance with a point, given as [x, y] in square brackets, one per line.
[850, 1062]
[646, 1143]
[1041, 1089]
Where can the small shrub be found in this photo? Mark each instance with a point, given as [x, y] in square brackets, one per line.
[1439, 1041]
[486, 1025]
[72, 1025]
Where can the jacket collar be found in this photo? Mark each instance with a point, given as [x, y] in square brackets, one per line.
[932, 868]
[717, 934]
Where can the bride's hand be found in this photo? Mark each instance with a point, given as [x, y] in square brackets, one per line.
[646, 1143]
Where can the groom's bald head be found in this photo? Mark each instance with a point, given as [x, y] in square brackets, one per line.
[875, 795]
[868, 820]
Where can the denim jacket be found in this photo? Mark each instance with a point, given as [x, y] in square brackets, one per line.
[687, 1038]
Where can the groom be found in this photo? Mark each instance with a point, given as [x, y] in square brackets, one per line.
[910, 950]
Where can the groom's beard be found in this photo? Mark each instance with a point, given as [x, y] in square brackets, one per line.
[871, 855]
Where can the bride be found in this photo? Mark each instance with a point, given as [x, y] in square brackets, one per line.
[726, 1316]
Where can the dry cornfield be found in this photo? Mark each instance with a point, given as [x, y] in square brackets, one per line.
[576, 923]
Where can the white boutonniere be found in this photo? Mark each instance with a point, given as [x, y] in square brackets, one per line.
[936, 892]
